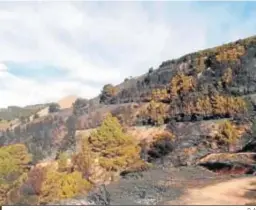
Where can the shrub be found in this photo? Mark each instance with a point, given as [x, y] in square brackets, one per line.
[228, 132]
[59, 185]
[83, 160]
[181, 84]
[160, 95]
[73, 184]
[227, 77]
[54, 107]
[166, 135]
[162, 145]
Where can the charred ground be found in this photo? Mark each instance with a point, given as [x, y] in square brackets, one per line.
[202, 104]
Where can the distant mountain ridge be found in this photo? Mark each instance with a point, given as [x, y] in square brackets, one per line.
[13, 112]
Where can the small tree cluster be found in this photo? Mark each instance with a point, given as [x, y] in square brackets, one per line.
[181, 84]
[224, 105]
[230, 53]
[154, 113]
[116, 149]
[213, 106]
[80, 106]
[203, 106]
[160, 95]
[216, 105]
[108, 91]
[14, 159]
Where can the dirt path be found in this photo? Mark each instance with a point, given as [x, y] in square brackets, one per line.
[230, 192]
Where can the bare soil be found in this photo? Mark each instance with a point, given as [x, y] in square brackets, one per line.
[231, 192]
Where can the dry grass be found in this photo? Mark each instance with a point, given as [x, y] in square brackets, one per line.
[146, 132]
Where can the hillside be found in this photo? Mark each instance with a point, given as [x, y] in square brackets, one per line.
[13, 112]
[197, 111]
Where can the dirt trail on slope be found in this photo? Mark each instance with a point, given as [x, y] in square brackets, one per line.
[230, 192]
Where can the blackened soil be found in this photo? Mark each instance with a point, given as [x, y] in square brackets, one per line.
[157, 185]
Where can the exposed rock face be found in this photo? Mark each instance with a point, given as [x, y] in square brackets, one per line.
[230, 163]
[230, 167]
[246, 158]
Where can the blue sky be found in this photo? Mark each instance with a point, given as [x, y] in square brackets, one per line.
[52, 49]
[35, 70]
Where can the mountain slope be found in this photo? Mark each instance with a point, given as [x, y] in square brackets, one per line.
[189, 109]
[199, 86]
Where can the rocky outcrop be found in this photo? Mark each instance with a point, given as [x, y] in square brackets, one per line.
[246, 158]
[230, 163]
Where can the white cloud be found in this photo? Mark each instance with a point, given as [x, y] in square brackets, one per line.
[99, 42]
[22, 91]
[3, 67]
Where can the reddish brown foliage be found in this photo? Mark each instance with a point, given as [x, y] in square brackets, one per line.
[35, 179]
